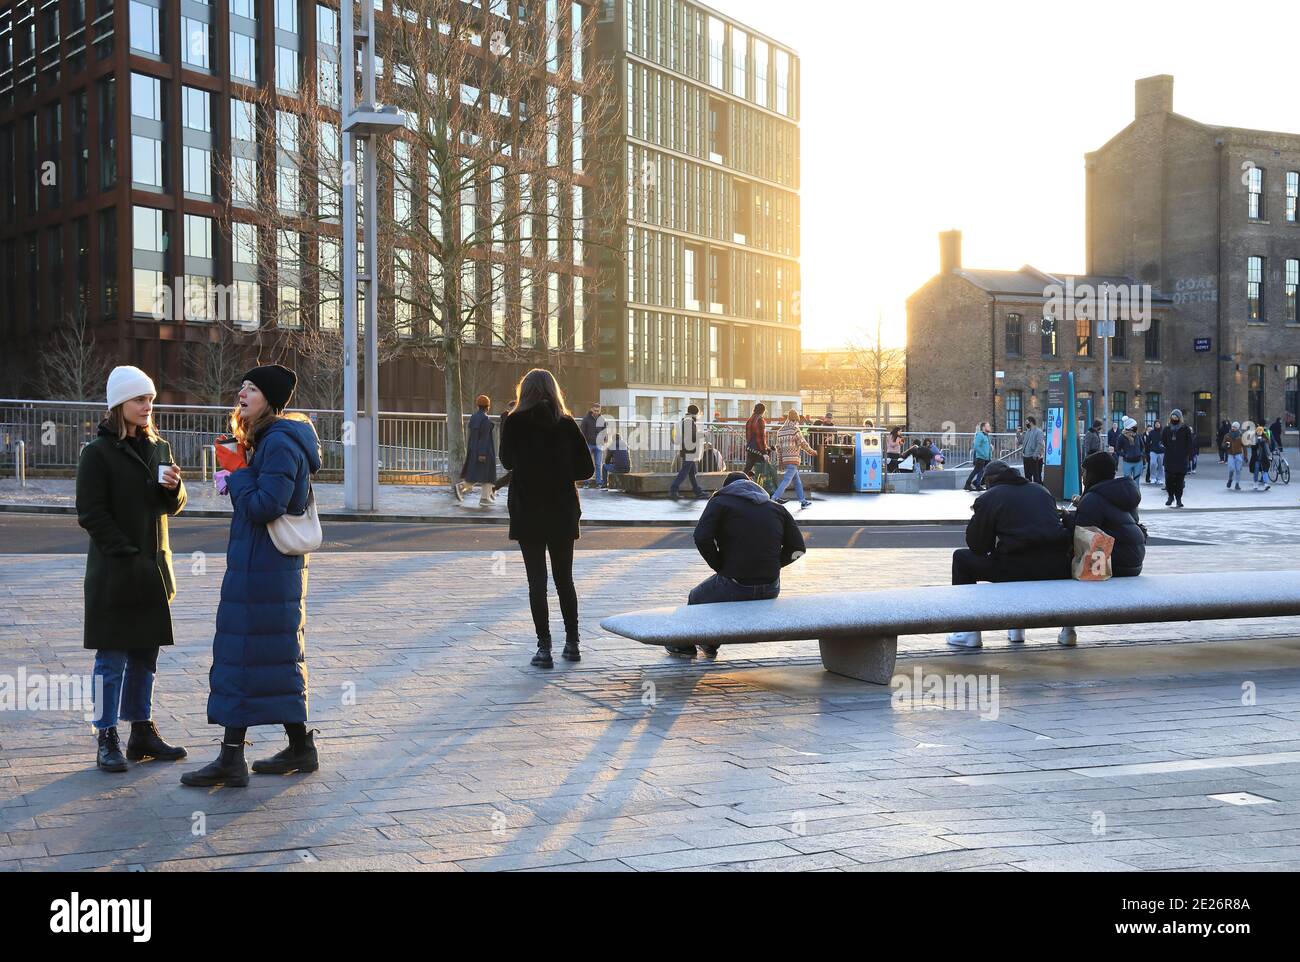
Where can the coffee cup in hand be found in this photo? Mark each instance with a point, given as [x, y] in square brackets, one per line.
[168, 475]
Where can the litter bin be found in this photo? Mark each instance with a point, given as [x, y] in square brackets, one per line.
[839, 468]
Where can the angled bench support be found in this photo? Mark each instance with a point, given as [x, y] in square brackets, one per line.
[868, 658]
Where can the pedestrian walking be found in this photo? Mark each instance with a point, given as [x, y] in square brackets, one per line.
[1155, 446]
[755, 439]
[1093, 441]
[1219, 436]
[690, 454]
[746, 538]
[593, 432]
[259, 651]
[546, 451]
[1275, 434]
[1235, 449]
[1180, 447]
[1034, 447]
[1260, 460]
[480, 465]
[1128, 449]
[127, 487]
[790, 447]
[981, 454]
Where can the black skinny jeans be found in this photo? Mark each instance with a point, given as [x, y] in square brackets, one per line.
[561, 551]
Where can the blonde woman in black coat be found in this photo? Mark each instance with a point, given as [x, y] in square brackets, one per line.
[546, 454]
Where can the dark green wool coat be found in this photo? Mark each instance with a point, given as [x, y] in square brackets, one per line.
[129, 578]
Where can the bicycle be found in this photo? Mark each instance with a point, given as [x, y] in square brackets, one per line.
[1279, 470]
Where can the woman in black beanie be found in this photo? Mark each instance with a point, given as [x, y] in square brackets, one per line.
[259, 653]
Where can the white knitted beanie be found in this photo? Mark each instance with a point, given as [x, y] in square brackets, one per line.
[127, 382]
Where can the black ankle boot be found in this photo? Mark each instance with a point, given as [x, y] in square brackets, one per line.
[109, 757]
[229, 769]
[571, 651]
[543, 657]
[300, 756]
[145, 742]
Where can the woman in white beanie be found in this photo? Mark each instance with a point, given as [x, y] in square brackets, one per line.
[127, 486]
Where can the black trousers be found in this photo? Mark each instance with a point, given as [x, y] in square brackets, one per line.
[502, 481]
[752, 458]
[561, 552]
[1174, 484]
[1034, 469]
[976, 476]
[969, 567]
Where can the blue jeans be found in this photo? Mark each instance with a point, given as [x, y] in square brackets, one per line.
[127, 685]
[1132, 469]
[791, 474]
[688, 471]
[1261, 475]
[599, 477]
[1234, 469]
[721, 588]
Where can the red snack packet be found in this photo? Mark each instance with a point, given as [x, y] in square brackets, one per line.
[230, 453]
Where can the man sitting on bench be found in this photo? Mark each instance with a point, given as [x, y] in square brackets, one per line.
[1015, 534]
[746, 538]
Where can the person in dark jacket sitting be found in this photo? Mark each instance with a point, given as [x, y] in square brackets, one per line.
[1015, 534]
[1111, 505]
[746, 538]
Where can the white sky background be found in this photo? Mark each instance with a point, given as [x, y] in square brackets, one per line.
[924, 116]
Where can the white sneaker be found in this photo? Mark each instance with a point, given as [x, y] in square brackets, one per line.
[1068, 638]
[1016, 635]
[965, 639]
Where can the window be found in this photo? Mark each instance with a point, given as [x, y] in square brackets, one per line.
[1153, 340]
[198, 170]
[1083, 337]
[145, 35]
[1118, 407]
[244, 244]
[196, 45]
[1153, 409]
[1291, 282]
[1015, 402]
[1013, 338]
[1292, 374]
[783, 82]
[146, 162]
[739, 61]
[1254, 288]
[717, 38]
[286, 15]
[327, 25]
[242, 116]
[761, 56]
[147, 285]
[1292, 194]
[1255, 193]
[286, 69]
[575, 40]
[1047, 333]
[1119, 342]
[243, 58]
[1255, 394]
[146, 97]
[147, 232]
[579, 316]
[243, 180]
[198, 236]
[195, 109]
[107, 135]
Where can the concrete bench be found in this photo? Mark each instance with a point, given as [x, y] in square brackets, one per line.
[658, 482]
[857, 631]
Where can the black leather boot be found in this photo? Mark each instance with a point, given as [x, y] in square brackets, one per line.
[543, 657]
[300, 756]
[109, 757]
[229, 769]
[145, 742]
[571, 651]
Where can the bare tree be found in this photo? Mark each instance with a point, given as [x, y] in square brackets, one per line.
[485, 236]
[214, 366]
[72, 366]
[876, 370]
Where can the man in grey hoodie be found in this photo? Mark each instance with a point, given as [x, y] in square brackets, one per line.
[1035, 446]
[746, 538]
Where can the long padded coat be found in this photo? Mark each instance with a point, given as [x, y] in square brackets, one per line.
[129, 579]
[259, 654]
[547, 458]
[479, 444]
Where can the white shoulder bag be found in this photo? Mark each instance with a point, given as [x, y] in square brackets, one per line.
[296, 534]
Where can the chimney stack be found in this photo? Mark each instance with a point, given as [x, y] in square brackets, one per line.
[1154, 95]
[949, 251]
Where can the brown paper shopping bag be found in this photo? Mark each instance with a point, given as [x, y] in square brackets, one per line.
[1092, 548]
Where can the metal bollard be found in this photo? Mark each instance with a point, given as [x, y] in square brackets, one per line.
[20, 462]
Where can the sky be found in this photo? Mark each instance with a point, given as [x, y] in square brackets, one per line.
[922, 117]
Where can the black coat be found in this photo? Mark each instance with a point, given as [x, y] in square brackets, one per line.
[1178, 448]
[746, 536]
[1112, 506]
[129, 579]
[1014, 517]
[480, 450]
[547, 458]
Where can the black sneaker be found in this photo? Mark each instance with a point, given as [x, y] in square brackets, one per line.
[543, 657]
[295, 758]
[229, 769]
[145, 742]
[1169, 501]
[109, 757]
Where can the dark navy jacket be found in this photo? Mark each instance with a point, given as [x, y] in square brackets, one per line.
[1112, 506]
[259, 655]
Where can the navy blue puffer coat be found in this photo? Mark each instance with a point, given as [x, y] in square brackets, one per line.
[259, 654]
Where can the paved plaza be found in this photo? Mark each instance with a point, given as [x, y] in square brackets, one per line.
[442, 750]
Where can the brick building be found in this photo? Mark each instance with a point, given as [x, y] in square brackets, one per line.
[1205, 218]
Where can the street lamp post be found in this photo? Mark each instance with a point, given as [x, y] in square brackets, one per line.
[364, 123]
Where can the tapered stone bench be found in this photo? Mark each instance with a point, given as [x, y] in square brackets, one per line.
[858, 631]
